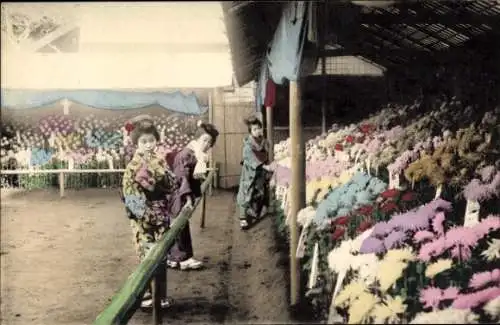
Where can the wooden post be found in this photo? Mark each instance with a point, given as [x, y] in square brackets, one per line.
[61, 184]
[156, 296]
[270, 133]
[203, 209]
[324, 22]
[297, 199]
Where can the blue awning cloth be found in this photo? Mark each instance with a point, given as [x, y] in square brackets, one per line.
[118, 100]
[285, 55]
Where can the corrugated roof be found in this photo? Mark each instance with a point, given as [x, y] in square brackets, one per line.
[404, 34]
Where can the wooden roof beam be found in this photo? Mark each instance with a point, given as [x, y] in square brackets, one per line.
[428, 16]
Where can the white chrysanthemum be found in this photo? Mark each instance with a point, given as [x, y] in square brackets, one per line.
[446, 316]
[306, 215]
[492, 308]
[493, 250]
[366, 266]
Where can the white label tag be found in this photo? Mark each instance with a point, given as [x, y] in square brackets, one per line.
[313, 276]
[394, 181]
[18, 136]
[368, 164]
[301, 245]
[439, 190]
[71, 163]
[471, 213]
[338, 284]
[358, 154]
[110, 163]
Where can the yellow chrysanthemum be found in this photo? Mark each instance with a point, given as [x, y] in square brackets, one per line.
[438, 267]
[389, 272]
[350, 292]
[360, 308]
[400, 255]
[389, 311]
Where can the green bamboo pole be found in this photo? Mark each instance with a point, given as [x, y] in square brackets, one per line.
[125, 302]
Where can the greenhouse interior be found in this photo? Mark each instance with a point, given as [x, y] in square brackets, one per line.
[383, 119]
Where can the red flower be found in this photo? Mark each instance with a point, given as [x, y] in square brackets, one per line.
[388, 207]
[389, 193]
[339, 232]
[349, 139]
[366, 210]
[341, 220]
[339, 147]
[408, 196]
[129, 127]
[364, 225]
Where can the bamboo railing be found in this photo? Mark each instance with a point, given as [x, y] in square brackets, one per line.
[128, 299]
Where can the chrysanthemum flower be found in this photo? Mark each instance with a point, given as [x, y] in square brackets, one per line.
[360, 308]
[422, 236]
[389, 312]
[472, 300]
[493, 251]
[492, 308]
[446, 316]
[438, 267]
[404, 254]
[481, 279]
[351, 291]
[431, 297]
[389, 271]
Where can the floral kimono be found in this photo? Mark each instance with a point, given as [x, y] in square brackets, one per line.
[148, 186]
[183, 165]
[253, 193]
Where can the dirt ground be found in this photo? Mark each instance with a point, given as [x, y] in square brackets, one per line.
[63, 259]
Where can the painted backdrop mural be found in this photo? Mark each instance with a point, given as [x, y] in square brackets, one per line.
[85, 129]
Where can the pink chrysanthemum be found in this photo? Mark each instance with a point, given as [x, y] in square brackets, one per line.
[481, 279]
[431, 297]
[472, 300]
[450, 293]
[423, 236]
[488, 224]
[438, 223]
[463, 253]
[461, 236]
[475, 191]
[434, 248]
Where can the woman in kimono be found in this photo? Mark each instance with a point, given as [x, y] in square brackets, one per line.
[253, 193]
[183, 165]
[148, 186]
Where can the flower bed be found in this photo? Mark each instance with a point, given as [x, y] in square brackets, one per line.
[402, 219]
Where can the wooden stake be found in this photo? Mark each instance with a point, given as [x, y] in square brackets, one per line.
[155, 294]
[203, 209]
[297, 193]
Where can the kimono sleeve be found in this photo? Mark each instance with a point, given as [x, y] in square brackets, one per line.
[134, 197]
[249, 158]
[185, 162]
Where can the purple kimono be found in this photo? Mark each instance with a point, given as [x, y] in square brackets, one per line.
[183, 167]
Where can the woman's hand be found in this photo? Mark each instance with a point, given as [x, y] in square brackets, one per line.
[189, 202]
